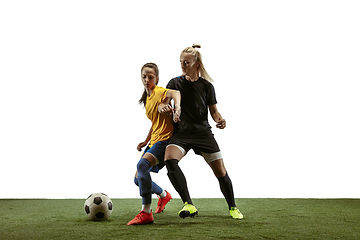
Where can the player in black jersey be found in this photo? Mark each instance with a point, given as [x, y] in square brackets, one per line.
[194, 131]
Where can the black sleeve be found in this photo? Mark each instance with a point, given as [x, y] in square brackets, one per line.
[171, 84]
[211, 96]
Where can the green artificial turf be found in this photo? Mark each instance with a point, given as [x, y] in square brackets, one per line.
[263, 219]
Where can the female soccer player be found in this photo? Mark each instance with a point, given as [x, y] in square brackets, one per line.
[194, 131]
[160, 133]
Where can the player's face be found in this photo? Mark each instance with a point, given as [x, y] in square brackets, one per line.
[148, 77]
[188, 64]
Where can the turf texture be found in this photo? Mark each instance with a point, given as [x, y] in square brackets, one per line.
[263, 219]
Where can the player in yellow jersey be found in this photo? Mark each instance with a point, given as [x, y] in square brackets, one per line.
[160, 133]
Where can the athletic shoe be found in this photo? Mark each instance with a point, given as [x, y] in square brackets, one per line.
[235, 213]
[142, 218]
[188, 210]
[162, 202]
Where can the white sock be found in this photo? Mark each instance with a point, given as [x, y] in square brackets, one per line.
[146, 208]
[163, 194]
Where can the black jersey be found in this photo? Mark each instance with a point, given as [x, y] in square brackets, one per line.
[195, 99]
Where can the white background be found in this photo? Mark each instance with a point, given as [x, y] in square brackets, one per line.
[286, 77]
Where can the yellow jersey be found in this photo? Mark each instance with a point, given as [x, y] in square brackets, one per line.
[162, 124]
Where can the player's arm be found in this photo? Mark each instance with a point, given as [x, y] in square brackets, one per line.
[165, 107]
[220, 122]
[143, 144]
[176, 96]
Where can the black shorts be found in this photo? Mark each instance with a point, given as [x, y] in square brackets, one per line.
[204, 145]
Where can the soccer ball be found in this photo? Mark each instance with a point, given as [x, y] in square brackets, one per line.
[98, 207]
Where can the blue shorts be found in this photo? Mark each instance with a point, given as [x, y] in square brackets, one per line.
[158, 152]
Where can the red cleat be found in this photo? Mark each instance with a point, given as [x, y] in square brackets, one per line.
[142, 218]
[162, 202]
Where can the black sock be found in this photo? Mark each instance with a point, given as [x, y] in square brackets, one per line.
[178, 179]
[227, 190]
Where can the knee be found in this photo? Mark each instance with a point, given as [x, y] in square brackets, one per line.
[219, 172]
[218, 168]
[143, 165]
[225, 180]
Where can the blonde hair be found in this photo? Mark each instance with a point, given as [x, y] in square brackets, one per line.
[193, 51]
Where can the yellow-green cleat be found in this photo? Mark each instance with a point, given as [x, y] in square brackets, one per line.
[235, 213]
[188, 210]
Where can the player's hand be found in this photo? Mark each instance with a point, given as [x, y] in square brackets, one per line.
[140, 146]
[165, 109]
[221, 123]
[177, 113]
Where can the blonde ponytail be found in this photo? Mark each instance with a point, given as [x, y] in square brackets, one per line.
[192, 50]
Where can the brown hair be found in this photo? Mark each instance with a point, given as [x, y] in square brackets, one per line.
[155, 67]
[193, 51]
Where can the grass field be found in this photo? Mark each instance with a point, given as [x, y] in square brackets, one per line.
[263, 219]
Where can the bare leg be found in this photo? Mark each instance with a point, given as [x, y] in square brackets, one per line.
[173, 152]
[218, 168]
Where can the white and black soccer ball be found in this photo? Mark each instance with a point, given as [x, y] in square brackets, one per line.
[98, 207]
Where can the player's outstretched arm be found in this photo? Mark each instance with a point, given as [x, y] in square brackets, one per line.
[176, 96]
[166, 108]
